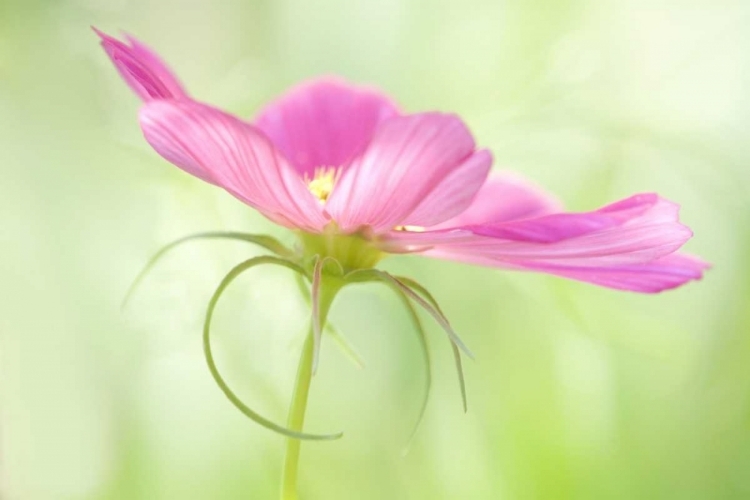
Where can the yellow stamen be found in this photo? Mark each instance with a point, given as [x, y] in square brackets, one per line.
[413, 229]
[322, 182]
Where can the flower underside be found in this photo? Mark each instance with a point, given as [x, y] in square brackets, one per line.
[350, 251]
[340, 260]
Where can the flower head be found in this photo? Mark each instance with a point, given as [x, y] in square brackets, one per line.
[340, 162]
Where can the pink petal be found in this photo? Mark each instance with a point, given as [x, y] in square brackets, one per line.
[228, 152]
[408, 158]
[455, 193]
[324, 123]
[662, 274]
[504, 197]
[626, 245]
[142, 69]
[637, 212]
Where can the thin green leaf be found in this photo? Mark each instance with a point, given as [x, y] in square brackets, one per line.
[431, 307]
[346, 347]
[269, 243]
[253, 415]
[427, 364]
[460, 371]
[427, 301]
[317, 334]
[456, 353]
[322, 297]
[341, 341]
[405, 286]
[421, 290]
[302, 286]
[400, 285]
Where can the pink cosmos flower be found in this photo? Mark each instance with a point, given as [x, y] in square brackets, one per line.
[330, 158]
[357, 179]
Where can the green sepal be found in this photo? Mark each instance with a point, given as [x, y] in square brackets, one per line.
[268, 242]
[429, 304]
[427, 365]
[346, 347]
[456, 353]
[324, 288]
[252, 414]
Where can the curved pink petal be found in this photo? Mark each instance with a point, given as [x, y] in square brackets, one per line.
[455, 193]
[142, 69]
[656, 276]
[505, 196]
[324, 123]
[625, 242]
[407, 159]
[635, 213]
[234, 155]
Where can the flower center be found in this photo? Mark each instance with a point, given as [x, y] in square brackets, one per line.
[412, 229]
[322, 182]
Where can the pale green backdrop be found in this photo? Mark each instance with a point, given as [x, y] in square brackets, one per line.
[577, 392]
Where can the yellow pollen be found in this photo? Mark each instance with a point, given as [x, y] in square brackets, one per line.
[412, 229]
[322, 182]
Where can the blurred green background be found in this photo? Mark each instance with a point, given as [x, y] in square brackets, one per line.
[577, 392]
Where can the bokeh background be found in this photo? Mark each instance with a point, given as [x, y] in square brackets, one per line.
[577, 392]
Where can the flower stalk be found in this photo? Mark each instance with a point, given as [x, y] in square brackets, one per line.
[296, 420]
[327, 288]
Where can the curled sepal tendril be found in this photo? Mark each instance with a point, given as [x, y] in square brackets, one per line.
[253, 415]
[333, 283]
[408, 282]
[341, 341]
[404, 287]
[268, 242]
[432, 308]
[427, 365]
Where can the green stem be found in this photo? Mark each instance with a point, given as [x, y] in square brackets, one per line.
[296, 420]
[329, 288]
